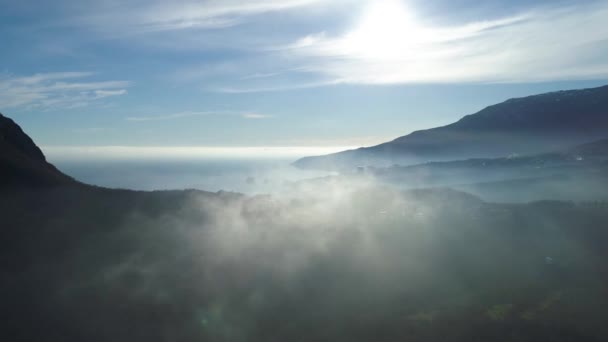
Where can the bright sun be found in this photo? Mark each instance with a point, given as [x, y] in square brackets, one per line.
[387, 30]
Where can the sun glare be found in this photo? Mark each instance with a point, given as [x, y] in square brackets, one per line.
[387, 30]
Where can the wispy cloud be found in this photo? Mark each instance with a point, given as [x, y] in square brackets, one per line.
[158, 16]
[100, 94]
[255, 116]
[186, 114]
[273, 88]
[387, 43]
[57, 90]
[391, 46]
[259, 75]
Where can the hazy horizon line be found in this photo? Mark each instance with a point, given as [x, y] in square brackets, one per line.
[126, 152]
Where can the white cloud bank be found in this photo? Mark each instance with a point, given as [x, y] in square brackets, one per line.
[57, 90]
[391, 46]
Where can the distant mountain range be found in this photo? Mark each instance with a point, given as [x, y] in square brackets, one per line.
[575, 173]
[22, 162]
[593, 153]
[528, 125]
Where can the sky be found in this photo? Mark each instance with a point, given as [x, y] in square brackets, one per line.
[282, 73]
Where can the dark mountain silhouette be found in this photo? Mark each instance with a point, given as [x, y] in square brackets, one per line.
[22, 162]
[526, 125]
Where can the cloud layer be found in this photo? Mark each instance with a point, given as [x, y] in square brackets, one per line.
[383, 42]
[389, 47]
[56, 90]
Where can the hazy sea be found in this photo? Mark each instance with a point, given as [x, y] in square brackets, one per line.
[250, 176]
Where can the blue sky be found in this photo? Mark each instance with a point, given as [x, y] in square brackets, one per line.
[233, 73]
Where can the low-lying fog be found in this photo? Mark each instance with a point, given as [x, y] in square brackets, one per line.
[367, 255]
[330, 260]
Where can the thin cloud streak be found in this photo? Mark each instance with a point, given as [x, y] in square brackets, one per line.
[48, 91]
[187, 114]
[160, 16]
[270, 89]
[255, 116]
[260, 75]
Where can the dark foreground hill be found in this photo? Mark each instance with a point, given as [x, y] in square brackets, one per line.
[22, 162]
[328, 262]
[526, 125]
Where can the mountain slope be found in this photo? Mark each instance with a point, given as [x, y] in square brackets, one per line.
[587, 154]
[524, 125]
[577, 173]
[22, 162]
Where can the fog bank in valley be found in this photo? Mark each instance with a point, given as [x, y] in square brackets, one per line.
[328, 260]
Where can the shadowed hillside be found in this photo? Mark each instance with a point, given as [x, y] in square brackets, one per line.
[22, 162]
